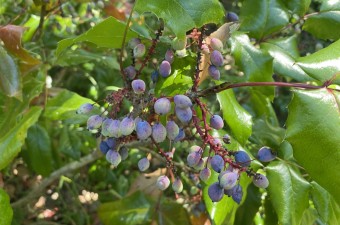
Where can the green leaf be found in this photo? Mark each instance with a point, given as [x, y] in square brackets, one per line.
[39, 150]
[132, 210]
[256, 64]
[262, 17]
[64, 105]
[288, 191]
[183, 15]
[13, 140]
[5, 208]
[324, 64]
[238, 119]
[108, 33]
[299, 7]
[313, 126]
[309, 217]
[328, 5]
[167, 211]
[327, 208]
[10, 81]
[70, 143]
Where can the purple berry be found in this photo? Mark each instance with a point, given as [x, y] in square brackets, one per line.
[158, 132]
[205, 49]
[215, 192]
[124, 152]
[179, 44]
[260, 180]
[214, 72]
[172, 130]
[133, 42]
[106, 127]
[162, 106]
[94, 122]
[226, 139]
[169, 56]
[139, 50]
[113, 157]
[181, 135]
[182, 101]
[154, 76]
[184, 115]
[232, 17]
[193, 158]
[200, 165]
[216, 122]
[228, 180]
[217, 163]
[84, 108]
[113, 129]
[112, 143]
[165, 69]
[127, 125]
[138, 86]
[143, 130]
[163, 182]
[236, 193]
[104, 148]
[265, 154]
[217, 141]
[130, 72]
[242, 158]
[216, 58]
[143, 164]
[205, 174]
[177, 186]
[216, 44]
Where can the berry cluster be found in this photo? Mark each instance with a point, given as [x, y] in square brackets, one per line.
[156, 121]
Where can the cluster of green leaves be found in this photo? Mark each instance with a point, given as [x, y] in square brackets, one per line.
[38, 122]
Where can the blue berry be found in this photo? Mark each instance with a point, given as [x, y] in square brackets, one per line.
[158, 132]
[216, 44]
[130, 72]
[172, 130]
[163, 182]
[154, 76]
[143, 130]
[165, 68]
[214, 72]
[193, 158]
[94, 122]
[127, 125]
[124, 152]
[139, 50]
[169, 56]
[216, 58]
[143, 164]
[205, 174]
[138, 86]
[232, 17]
[216, 122]
[184, 115]
[217, 163]
[106, 127]
[84, 108]
[113, 157]
[104, 148]
[182, 101]
[228, 180]
[112, 143]
[242, 158]
[177, 186]
[162, 106]
[215, 192]
[181, 135]
[113, 129]
[265, 154]
[260, 180]
[226, 139]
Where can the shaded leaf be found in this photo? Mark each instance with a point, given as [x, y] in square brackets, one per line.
[5, 208]
[299, 7]
[70, 143]
[182, 15]
[313, 126]
[289, 192]
[171, 213]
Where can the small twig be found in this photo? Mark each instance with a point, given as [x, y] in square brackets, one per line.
[38, 32]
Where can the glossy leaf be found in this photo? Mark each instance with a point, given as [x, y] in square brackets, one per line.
[183, 15]
[256, 64]
[288, 191]
[238, 119]
[39, 150]
[328, 5]
[10, 80]
[312, 127]
[108, 33]
[5, 208]
[262, 17]
[324, 64]
[13, 140]
[299, 7]
[325, 205]
[71, 143]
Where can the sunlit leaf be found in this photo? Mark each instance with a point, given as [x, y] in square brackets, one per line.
[5, 208]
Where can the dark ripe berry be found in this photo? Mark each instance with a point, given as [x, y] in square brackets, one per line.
[232, 17]
[130, 72]
[94, 122]
[158, 132]
[143, 130]
[163, 182]
[216, 44]
[143, 164]
[177, 186]
[205, 49]
[217, 163]
[179, 43]
[184, 115]
[113, 157]
[228, 180]
[181, 135]
[242, 158]
[226, 139]
[84, 108]
[260, 180]
[112, 143]
[106, 127]
[138, 86]
[205, 174]
[104, 148]
[133, 42]
[113, 129]
[124, 152]
[216, 122]
[169, 56]
[172, 130]
[193, 158]
[154, 76]
[215, 192]
[127, 125]
[265, 154]
[165, 68]
[162, 106]
[182, 101]
[139, 51]
[236, 193]
[216, 58]
[214, 72]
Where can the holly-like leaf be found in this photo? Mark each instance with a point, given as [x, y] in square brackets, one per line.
[324, 64]
[262, 17]
[313, 126]
[13, 140]
[109, 34]
[299, 7]
[5, 208]
[289, 192]
[182, 15]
